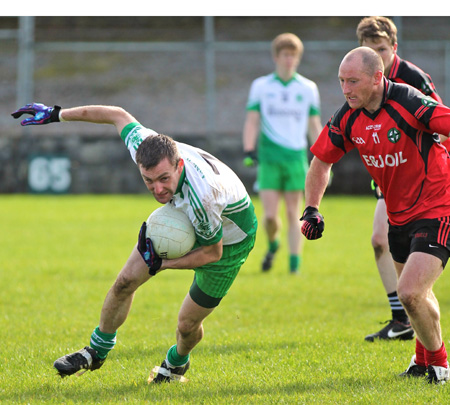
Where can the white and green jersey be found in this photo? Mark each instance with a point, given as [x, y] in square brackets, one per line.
[285, 108]
[209, 192]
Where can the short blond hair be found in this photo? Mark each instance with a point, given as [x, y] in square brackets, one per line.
[376, 27]
[287, 41]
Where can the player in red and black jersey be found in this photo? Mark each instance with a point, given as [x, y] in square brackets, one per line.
[402, 71]
[392, 126]
[380, 34]
[396, 143]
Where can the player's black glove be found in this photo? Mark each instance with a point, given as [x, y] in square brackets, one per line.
[147, 251]
[313, 224]
[41, 114]
[250, 159]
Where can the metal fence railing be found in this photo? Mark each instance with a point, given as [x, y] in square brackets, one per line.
[27, 47]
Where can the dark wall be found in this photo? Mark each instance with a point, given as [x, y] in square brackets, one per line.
[102, 164]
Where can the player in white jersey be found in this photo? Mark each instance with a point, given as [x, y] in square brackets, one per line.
[205, 184]
[221, 212]
[282, 108]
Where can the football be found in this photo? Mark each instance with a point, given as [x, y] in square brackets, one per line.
[170, 231]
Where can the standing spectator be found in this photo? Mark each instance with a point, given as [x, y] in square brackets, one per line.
[281, 108]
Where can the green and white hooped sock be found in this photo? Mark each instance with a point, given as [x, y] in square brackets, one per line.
[102, 342]
[175, 359]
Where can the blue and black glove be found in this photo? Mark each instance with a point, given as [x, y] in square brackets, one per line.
[41, 114]
[250, 159]
[313, 225]
[147, 251]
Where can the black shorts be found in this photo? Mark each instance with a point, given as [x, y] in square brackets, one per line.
[425, 235]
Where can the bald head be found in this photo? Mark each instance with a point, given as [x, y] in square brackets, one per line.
[361, 78]
[366, 58]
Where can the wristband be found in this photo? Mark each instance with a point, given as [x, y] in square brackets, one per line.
[60, 118]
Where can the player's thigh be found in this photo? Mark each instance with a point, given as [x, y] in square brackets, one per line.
[420, 272]
[380, 224]
[293, 200]
[270, 200]
[135, 271]
[192, 313]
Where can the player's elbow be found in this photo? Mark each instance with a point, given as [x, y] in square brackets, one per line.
[214, 252]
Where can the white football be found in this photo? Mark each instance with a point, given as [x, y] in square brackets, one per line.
[170, 231]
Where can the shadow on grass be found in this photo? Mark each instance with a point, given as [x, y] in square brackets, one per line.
[211, 392]
[207, 348]
[59, 392]
[112, 384]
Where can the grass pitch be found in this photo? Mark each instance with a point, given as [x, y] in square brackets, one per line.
[275, 338]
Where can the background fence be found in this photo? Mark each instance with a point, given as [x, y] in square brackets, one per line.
[185, 76]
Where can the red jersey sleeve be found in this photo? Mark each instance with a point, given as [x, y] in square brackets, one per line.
[333, 142]
[440, 120]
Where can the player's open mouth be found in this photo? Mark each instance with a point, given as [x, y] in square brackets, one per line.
[162, 196]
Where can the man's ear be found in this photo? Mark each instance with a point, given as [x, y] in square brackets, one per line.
[395, 47]
[378, 77]
[180, 165]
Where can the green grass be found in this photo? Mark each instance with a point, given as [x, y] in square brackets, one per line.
[275, 338]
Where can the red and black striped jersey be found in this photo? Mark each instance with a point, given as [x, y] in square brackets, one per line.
[406, 72]
[399, 149]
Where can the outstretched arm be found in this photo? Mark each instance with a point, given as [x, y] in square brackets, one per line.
[97, 114]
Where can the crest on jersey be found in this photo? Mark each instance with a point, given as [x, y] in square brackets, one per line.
[426, 89]
[429, 102]
[394, 135]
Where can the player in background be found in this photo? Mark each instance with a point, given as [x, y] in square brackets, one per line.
[219, 208]
[380, 34]
[282, 108]
[394, 127]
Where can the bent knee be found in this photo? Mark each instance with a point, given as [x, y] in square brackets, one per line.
[409, 297]
[124, 285]
[187, 327]
[380, 243]
[271, 219]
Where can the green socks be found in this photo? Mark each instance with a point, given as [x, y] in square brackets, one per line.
[273, 246]
[103, 343]
[295, 262]
[175, 359]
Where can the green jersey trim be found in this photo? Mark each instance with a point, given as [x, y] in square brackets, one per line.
[254, 107]
[237, 206]
[269, 151]
[314, 111]
[242, 212]
[181, 182]
[129, 136]
[285, 83]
